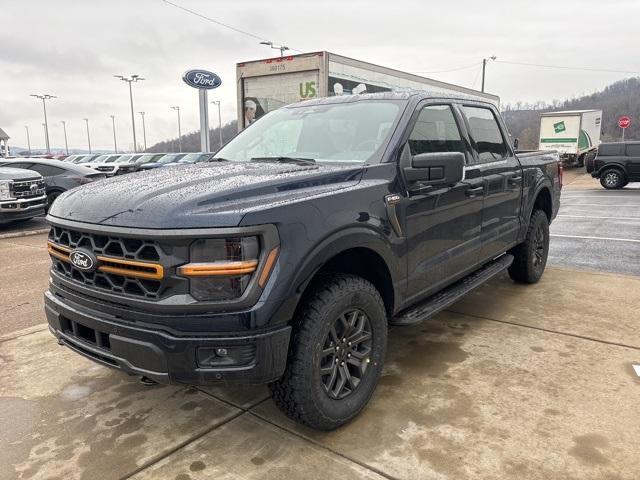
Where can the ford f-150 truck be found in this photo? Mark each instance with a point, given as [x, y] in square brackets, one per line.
[284, 258]
[22, 194]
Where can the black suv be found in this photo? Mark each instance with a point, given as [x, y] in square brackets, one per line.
[616, 164]
[284, 257]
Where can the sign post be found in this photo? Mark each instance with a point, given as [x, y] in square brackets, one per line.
[203, 80]
[623, 123]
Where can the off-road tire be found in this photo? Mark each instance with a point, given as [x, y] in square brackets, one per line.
[612, 179]
[301, 393]
[530, 257]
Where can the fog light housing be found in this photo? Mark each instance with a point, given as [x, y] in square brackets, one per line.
[226, 356]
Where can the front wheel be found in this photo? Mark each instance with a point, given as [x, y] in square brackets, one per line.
[530, 257]
[612, 179]
[336, 355]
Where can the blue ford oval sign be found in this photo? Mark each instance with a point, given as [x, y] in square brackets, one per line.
[201, 79]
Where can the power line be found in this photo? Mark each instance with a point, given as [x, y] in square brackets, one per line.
[566, 67]
[467, 67]
[217, 22]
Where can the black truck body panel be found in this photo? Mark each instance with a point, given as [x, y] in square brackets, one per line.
[421, 240]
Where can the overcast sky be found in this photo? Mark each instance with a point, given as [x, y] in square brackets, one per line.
[72, 49]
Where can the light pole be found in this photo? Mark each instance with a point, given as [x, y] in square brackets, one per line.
[44, 99]
[484, 67]
[28, 139]
[88, 136]
[113, 123]
[177, 109]
[64, 128]
[217, 102]
[130, 80]
[282, 48]
[144, 131]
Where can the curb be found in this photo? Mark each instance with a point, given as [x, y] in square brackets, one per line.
[24, 233]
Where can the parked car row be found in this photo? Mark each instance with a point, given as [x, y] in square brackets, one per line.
[118, 164]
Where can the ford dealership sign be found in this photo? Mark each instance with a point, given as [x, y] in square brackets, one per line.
[201, 79]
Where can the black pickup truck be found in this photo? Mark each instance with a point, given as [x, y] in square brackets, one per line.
[22, 195]
[285, 257]
[616, 164]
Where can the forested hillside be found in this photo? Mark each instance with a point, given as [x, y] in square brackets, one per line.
[191, 141]
[620, 98]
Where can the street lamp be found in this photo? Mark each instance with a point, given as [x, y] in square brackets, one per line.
[28, 139]
[44, 98]
[484, 67]
[88, 136]
[115, 144]
[217, 102]
[177, 109]
[130, 80]
[64, 128]
[282, 48]
[144, 131]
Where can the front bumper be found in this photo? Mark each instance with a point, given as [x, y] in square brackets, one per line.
[161, 356]
[22, 208]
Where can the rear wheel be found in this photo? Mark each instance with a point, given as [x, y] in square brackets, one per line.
[337, 353]
[612, 179]
[530, 257]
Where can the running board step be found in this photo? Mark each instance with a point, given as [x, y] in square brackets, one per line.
[453, 293]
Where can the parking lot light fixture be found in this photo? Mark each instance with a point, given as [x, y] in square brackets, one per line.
[177, 109]
[44, 99]
[144, 131]
[217, 102]
[64, 128]
[88, 136]
[131, 79]
[484, 67]
[28, 139]
[282, 48]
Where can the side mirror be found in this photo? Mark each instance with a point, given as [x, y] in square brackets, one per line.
[515, 144]
[439, 168]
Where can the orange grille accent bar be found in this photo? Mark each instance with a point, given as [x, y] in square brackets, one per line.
[118, 266]
[218, 268]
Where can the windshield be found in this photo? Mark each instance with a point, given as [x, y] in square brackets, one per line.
[340, 132]
[112, 159]
[124, 158]
[171, 158]
[194, 157]
[89, 158]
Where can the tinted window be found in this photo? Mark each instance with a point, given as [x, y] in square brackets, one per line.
[47, 170]
[486, 133]
[633, 150]
[435, 131]
[18, 165]
[610, 149]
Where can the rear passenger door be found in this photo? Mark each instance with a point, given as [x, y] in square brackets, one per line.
[633, 161]
[501, 172]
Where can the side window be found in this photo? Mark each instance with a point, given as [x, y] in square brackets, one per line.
[486, 133]
[610, 149]
[19, 165]
[435, 131]
[633, 150]
[46, 170]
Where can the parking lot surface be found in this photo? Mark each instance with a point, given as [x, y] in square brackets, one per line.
[527, 382]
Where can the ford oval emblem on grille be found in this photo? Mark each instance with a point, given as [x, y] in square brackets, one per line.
[83, 260]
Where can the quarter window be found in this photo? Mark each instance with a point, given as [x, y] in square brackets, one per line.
[633, 150]
[486, 134]
[46, 170]
[435, 131]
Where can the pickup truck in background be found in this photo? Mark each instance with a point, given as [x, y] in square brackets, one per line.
[22, 195]
[283, 259]
[616, 164]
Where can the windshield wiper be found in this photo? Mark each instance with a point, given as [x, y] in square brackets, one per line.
[216, 159]
[296, 160]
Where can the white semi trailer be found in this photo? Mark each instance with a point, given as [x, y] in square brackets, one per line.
[268, 84]
[572, 133]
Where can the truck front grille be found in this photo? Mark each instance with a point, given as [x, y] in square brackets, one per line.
[126, 266]
[23, 189]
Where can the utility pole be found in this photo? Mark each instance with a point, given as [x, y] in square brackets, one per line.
[28, 139]
[217, 102]
[64, 128]
[177, 109]
[144, 131]
[130, 80]
[484, 68]
[282, 48]
[113, 123]
[88, 136]
[44, 99]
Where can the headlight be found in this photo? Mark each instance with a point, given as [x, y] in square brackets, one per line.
[221, 268]
[5, 190]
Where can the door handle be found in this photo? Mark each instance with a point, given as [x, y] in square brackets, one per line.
[472, 192]
[515, 180]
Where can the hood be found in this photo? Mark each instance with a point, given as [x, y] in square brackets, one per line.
[19, 174]
[199, 196]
